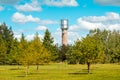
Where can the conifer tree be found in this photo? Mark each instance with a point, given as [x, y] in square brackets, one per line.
[3, 49]
[48, 43]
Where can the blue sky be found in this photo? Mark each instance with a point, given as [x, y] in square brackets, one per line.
[31, 16]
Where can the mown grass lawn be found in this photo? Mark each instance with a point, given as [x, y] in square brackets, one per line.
[61, 72]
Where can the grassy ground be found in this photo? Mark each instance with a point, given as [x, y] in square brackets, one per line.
[62, 72]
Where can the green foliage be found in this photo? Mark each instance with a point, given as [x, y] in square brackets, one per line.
[48, 43]
[7, 36]
[74, 53]
[63, 51]
[48, 40]
[24, 56]
[101, 46]
[91, 49]
[2, 50]
[110, 42]
[40, 54]
[14, 53]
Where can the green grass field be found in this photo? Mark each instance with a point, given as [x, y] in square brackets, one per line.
[62, 72]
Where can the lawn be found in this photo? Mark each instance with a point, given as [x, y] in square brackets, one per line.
[61, 72]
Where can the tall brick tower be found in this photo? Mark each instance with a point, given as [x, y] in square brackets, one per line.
[64, 27]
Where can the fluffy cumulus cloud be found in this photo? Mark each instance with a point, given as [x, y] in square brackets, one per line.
[41, 28]
[17, 34]
[31, 37]
[108, 2]
[27, 7]
[21, 18]
[35, 5]
[109, 21]
[61, 3]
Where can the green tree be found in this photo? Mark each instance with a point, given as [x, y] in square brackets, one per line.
[102, 37]
[91, 50]
[14, 53]
[25, 58]
[7, 36]
[48, 43]
[40, 54]
[3, 49]
[62, 52]
[114, 46]
[110, 41]
[73, 55]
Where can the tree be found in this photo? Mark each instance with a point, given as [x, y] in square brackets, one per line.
[48, 43]
[14, 53]
[3, 49]
[91, 50]
[40, 54]
[110, 41]
[25, 58]
[73, 55]
[7, 36]
[63, 51]
[114, 46]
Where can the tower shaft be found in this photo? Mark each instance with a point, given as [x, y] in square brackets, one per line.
[64, 27]
[64, 37]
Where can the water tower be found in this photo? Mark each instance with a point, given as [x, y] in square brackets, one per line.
[64, 27]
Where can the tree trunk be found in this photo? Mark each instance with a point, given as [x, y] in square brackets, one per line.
[27, 67]
[37, 67]
[88, 64]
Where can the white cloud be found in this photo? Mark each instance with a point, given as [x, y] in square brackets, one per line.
[41, 28]
[34, 6]
[31, 37]
[17, 34]
[21, 18]
[109, 16]
[28, 37]
[108, 2]
[114, 27]
[109, 21]
[89, 25]
[1, 8]
[61, 3]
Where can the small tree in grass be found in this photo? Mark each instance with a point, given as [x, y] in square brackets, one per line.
[91, 50]
[40, 53]
[25, 55]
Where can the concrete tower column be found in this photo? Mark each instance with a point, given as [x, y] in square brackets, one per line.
[64, 37]
[64, 27]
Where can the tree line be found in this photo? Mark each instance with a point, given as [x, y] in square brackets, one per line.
[99, 46]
